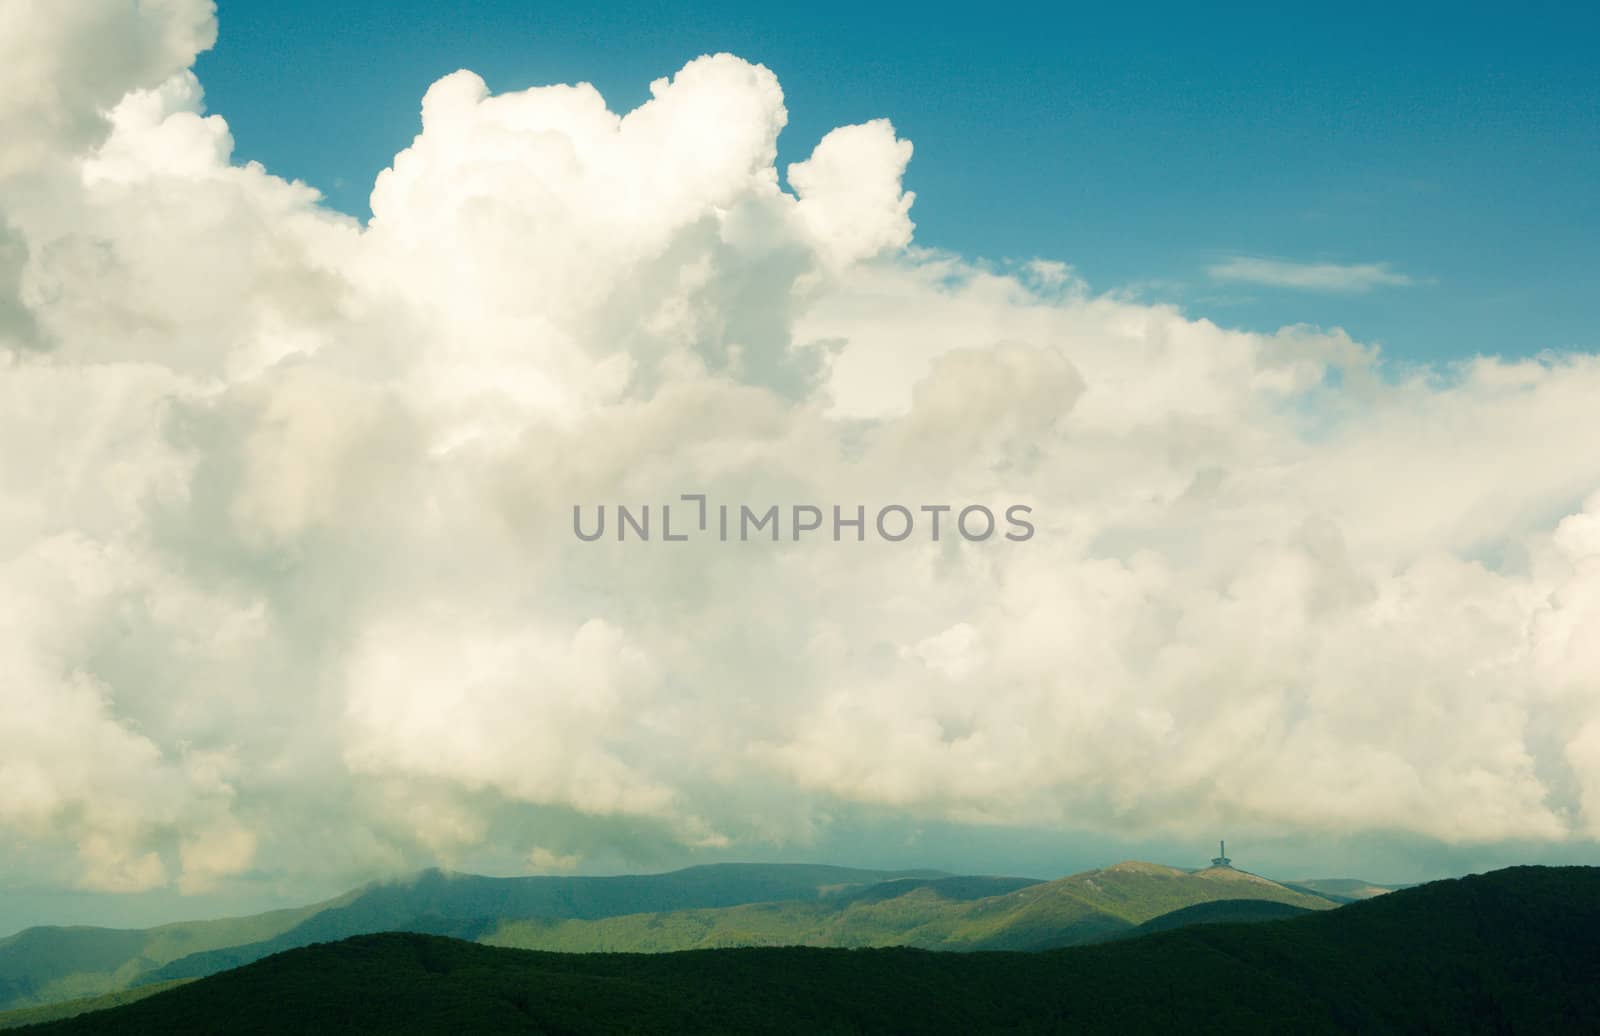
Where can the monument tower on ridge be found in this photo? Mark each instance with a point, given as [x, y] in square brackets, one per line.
[1221, 859]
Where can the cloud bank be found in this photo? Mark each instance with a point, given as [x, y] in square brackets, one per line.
[287, 578]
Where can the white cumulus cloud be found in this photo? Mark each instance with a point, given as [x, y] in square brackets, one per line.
[288, 583]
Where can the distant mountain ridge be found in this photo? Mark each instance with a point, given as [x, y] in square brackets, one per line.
[1344, 890]
[719, 905]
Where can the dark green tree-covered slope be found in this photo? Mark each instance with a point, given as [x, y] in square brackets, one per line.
[1222, 911]
[1513, 951]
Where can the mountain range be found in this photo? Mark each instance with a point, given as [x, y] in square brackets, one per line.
[1516, 950]
[715, 906]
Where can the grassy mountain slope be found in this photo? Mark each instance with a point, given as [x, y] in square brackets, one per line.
[21, 1016]
[1516, 950]
[46, 965]
[49, 965]
[950, 914]
[906, 912]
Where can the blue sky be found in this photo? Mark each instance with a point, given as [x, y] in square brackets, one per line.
[1451, 156]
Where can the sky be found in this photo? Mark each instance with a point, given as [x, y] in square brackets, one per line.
[315, 331]
[1436, 164]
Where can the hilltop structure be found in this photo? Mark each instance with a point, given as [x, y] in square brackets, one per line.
[1221, 859]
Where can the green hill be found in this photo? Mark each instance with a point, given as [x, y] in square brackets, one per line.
[1101, 903]
[1513, 951]
[943, 914]
[47, 965]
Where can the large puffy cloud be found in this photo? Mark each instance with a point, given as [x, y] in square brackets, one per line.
[68, 61]
[290, 582]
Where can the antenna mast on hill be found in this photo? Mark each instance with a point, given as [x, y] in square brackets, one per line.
[1222, 856]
